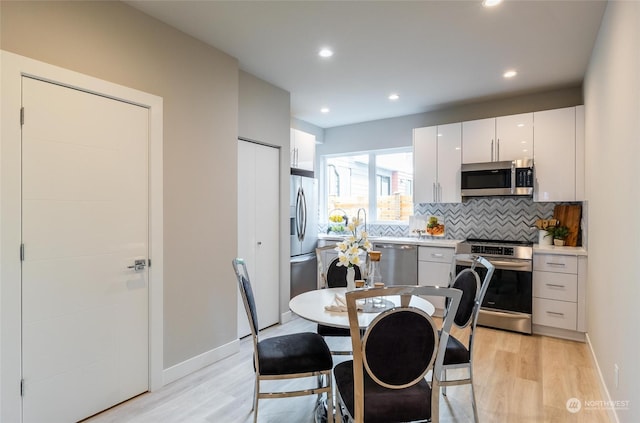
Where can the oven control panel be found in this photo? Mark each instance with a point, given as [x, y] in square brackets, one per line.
[492, 250]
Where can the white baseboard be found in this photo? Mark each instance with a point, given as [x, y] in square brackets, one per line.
[198, 362]
[613, 416]
[286, 317]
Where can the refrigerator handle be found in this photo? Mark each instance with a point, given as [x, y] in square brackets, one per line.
[298, 215]
[304, 212]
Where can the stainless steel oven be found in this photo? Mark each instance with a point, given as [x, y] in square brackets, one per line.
[508, 301]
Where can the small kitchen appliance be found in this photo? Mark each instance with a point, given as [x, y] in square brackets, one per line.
[503, 178]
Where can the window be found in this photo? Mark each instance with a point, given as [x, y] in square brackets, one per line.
[383, 180]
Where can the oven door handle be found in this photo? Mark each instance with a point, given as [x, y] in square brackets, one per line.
[501, 264]
[525, 266]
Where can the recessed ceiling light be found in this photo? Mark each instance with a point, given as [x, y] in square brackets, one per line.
[325, 110]
[491, 3]
[394, 97]
[325, 52]
[520, 125]
[510, 74]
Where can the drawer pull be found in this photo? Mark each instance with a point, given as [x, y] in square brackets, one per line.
[555, 285]
[550, 263]
[438, 255]
[555, 313]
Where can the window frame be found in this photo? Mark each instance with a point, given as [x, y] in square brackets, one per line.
[372, 209]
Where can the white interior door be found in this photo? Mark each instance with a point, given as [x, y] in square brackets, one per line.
[258, 229]
[85, 220]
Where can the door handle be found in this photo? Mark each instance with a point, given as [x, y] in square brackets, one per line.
[138, 265]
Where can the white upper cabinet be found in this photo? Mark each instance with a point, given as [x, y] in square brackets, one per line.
[479, 138]
[449, 162]
[425, 167]
[580, 157]
[437, 158]
[555, 155]
[302, 150]
[514, 137]
[498, 139]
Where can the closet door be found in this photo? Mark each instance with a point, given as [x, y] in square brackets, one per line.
[258, 229]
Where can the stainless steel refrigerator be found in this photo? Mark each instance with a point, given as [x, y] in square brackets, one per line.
[303, 231]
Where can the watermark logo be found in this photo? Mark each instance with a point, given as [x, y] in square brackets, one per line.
[573, 405]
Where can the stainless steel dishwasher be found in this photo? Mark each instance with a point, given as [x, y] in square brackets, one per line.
[399, 263]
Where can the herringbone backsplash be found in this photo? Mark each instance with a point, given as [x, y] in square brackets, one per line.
[505, 218]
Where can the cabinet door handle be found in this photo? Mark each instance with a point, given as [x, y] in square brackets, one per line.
[492, 150]
[435, 196]
[498, 150]
[550, 263]
[555, 285]
[555, 313]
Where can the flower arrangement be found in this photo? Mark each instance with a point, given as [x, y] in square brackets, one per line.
[349, 249]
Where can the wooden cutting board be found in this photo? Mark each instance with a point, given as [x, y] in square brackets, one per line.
[569, 216]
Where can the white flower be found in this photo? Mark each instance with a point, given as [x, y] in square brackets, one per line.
[349, 250]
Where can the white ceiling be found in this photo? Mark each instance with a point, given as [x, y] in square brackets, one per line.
[432, 53]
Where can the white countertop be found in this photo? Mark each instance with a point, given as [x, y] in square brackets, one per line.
[552, 249]
[435, 242]
[427, 242]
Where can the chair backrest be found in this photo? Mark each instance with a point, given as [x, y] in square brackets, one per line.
[244, 286]
[322, 274]
[400, 345]
[337, 275]
[473, 289]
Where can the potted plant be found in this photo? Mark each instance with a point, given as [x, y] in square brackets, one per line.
[558, 233]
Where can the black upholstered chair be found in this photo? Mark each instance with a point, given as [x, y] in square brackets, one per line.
[385, 381]
[334, 277]
[459, 355]
[298, 355]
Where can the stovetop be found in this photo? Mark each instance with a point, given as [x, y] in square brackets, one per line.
[497, 248]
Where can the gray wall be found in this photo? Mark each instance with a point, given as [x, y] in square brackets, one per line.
[199, 85]
[397, 132]
[612, 108]
[263, 116]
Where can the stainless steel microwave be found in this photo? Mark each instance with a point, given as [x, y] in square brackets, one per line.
[497, 178]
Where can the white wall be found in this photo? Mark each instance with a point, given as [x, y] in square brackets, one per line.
[612, 107]
[199, 84]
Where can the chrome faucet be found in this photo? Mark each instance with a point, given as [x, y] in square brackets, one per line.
[365, 217]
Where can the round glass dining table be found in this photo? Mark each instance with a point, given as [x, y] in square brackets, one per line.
[311, 306]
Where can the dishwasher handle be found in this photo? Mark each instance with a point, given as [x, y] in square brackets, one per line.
[395, 246]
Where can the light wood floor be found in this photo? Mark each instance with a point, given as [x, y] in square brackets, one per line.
[518, 378]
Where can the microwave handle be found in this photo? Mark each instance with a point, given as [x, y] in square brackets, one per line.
[513, 177]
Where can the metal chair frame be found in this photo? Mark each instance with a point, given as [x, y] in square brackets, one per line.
[324, 377]
[405, 292]
[481, 290]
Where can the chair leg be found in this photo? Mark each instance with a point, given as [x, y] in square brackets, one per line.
[256, 392]
[330, 407]
[435, 401]
[473, 404]
[444, 378]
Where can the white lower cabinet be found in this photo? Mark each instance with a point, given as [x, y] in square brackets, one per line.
[434, 265]
[559, 295]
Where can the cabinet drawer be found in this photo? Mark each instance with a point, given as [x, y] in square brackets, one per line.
[557, 314]
[437, 254]
[555, 263]
[555, 286]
